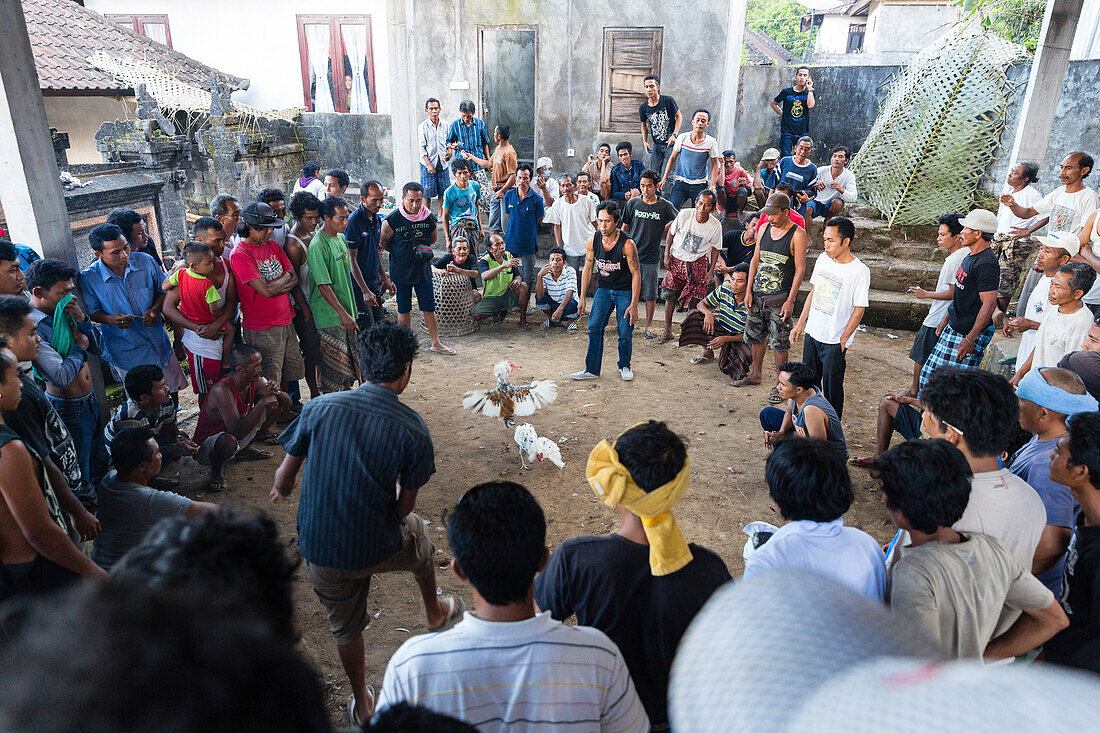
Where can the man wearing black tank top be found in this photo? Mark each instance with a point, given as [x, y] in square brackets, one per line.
[615, 259]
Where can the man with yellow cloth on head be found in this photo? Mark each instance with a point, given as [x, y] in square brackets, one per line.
[643, 584]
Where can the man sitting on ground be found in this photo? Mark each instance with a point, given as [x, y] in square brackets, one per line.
[240, 409]
[808, 413]
[719, 323]
[734, 192]
[954, 586]
[556, 291]
[504, 290]
[1065, 325]
[504, 664]
[459, 261]
[1046, 397]
[1075, 462]
[623, 584]
[836, 186]
[149, 405]
[128, 506]
[811, 487]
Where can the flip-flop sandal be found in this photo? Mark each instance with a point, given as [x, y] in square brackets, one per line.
[351, 709]
[700, 359]
[270, 440]
[662, 339]
[863, 461]
[215, 485]
[445, 351]
[650, 333]
[743, 382]
[774, 397]
[252, 454]
[458, 607]
[571, 328]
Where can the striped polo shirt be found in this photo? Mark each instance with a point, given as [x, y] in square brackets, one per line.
[727, 313]
[556, 289]
[472, 137]
[531, 675]
[356, 444]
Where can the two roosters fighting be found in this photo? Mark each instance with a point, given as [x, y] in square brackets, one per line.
[507, 401]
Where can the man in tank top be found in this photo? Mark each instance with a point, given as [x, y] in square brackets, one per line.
[614, 258]
[808, 413]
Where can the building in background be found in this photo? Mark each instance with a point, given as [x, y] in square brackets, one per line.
[875, 31]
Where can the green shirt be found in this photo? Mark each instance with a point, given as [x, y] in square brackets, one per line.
[329, 264]
[499, 284]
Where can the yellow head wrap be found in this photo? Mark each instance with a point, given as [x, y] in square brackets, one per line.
[613, 484]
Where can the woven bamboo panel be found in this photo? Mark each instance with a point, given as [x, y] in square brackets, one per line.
[938, 129]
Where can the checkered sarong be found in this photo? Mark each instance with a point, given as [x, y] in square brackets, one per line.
[947, 348]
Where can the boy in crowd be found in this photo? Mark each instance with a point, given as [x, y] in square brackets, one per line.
[734, 192]
[461, 213]
[954, 585]
[1047, 397]
[503, 164]
[836, 186]
[811, 487]
[128, 505]
[610, 582]
[1065, 325]
[556, 291]
[661, 119]
[767, 176]
[694, 164]
[838, 297]
[808, 413]
[573, 217]
[625, 173]
[794, 114]
[503, 289]
[719, 323]
[505, 664]
[459, 261]
[1075, 462]
[694, 242]
[200, 303]
[331, 299]
[646, 219]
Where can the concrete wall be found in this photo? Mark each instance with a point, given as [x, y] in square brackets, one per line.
[81, 117]
[1086, 42]
[212, 31]
[360, 144]
[568, 77]
[832, 35]
[897, 31]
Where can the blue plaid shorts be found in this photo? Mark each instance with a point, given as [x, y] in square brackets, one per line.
[946, 352]
[434, 184]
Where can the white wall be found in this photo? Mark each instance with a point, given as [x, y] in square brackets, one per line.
[832, 36]
[212, 32]
[81, 117]
[1086, 42]
[906, 28]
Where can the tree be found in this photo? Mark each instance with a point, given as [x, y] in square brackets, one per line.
[782, 20]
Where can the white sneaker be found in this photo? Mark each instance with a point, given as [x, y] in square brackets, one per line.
[584, 375]
[626, 374]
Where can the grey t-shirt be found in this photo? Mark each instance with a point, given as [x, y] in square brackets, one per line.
[127, 511]
[645, 224]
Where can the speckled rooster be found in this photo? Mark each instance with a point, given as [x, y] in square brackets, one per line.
[507, 400]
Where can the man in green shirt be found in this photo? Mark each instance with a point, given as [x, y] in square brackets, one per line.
[331, 301]
[503, 290]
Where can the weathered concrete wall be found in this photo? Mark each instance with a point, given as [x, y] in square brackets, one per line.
[570, 53]
[895, 32]
[360, 144]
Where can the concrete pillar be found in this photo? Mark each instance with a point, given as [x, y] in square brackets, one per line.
[403, 114]
[30, 190]
[1048, 71]
[731, 80]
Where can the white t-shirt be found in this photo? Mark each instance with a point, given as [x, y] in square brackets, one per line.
[838, 290]
[551, 186]
[315, 187]
[846, 180]
[1067, 211]
[575, 220]
[1037, 305]
[948, 270]
[1026, 197]
[692, 239]
[1060, 334]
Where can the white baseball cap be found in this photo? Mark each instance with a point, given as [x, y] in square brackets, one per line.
[1062, 240]
[982, 220]
[543, 162]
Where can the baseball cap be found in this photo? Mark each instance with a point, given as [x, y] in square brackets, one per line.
[544, 161]
[259, 214]
[981, 220]
[1062, 240]
[770, 154]
[776, 203]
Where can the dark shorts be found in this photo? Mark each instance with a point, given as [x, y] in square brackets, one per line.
[425, 297]
[907, 422]
[764, 322]
[493, 304]
[32, 578]
[923, 344]
[819, 208]
[649, 282]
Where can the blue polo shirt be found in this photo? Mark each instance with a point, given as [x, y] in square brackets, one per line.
[363, 234]
[132, 293]
[524, 216]
[472, 137]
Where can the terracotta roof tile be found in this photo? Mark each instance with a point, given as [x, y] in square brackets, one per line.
[65, 35]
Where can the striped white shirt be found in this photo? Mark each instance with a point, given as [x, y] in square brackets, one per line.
[566, 281]
[432, 140]
[532, 675]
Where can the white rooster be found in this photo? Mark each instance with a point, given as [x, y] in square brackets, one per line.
[535, 448]
[506, 400]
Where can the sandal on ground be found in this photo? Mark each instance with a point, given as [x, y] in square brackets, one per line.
[774, 397]
[457, 608]
[743, 382]
[252, 454]
[351, 709]
[270, 439]
[571, 328]
[663, 339]
[446, 351]
[701, 359]
[524, 326]
[650, 333]
[863, 461]
[216, 484]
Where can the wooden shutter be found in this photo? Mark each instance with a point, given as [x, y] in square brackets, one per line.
[629, 54]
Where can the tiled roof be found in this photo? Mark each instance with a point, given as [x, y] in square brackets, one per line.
[763, 49]
[65, 35]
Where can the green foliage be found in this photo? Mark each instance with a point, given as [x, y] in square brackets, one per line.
[780, 19]
[1019, 21]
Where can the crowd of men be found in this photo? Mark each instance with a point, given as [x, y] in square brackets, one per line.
[995, 494]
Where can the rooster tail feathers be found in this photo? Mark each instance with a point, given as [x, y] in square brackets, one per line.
[534, 396]
[478, 402]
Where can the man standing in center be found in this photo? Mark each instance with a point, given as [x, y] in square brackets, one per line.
[794, 115]
[694, 243]
[525, 210]
[331, 299]
[661, 119]
[619, 284]
[694, 163]
[775, 274]
[647, 219]
[839, 287]
[366, 457]
[435, 154]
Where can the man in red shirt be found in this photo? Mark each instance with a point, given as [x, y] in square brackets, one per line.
[733, 195]
[265, 279]
[798, 219]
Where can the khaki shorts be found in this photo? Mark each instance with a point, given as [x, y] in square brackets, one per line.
[343, 593]
[282, 359]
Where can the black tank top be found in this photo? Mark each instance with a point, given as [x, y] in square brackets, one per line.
[775, 273]
[611, 267]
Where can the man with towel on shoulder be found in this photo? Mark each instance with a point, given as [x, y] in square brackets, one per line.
[643, 584]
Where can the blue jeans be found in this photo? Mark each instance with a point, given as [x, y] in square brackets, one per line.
[494, 213]
[682, 192]
[658, 158]
[602, 304]
[786, 143]
[81, 416]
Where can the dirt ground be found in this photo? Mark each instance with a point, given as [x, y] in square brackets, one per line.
[719, 423]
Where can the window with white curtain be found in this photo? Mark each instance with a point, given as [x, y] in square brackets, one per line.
[151, 26]
[337, 63]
